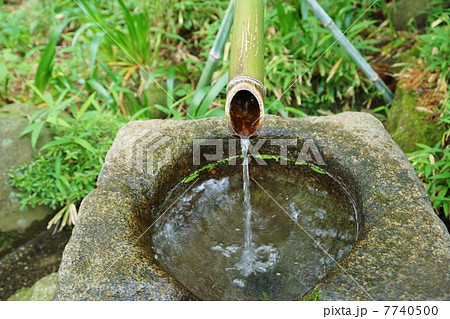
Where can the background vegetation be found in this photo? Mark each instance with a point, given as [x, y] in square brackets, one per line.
[88, 79]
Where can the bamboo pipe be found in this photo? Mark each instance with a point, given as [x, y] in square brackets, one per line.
[244, 107]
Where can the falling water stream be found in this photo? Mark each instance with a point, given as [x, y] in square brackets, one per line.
[247, 263]
[245, 144]
[254, 259]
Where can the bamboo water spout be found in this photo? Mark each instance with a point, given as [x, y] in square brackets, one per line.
[244, 106]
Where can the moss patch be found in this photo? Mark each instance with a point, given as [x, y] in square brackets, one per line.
[313, 295]
[408, 126]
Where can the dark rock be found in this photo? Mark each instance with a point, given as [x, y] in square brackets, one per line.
[403, 248]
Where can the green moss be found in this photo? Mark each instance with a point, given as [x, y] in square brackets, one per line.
[207, 167]
[21, 295]
[313, 295]
[408, 56]
[408, 126]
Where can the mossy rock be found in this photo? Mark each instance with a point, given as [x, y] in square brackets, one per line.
[152, 95]
[42, 290]
[313, 295]
[410, 10]
[408, 56]
[408, 126]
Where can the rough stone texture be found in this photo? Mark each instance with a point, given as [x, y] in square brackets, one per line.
[408, 126]
[403, 248]
[14, 152]
[42, 290]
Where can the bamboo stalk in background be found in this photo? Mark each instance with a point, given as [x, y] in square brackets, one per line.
[216, 52]
[244, 106]
[350, 49]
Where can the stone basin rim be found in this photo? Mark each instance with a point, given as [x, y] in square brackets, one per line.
[398, 219]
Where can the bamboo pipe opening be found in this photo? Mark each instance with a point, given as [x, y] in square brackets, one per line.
[244, 107]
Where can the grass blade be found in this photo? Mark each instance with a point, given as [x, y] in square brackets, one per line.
[213, 93]
[35, 133]
[93, 51]
[45, 67]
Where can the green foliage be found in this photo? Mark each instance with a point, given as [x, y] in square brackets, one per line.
[6, 239]
[435, 44]
[295, 41]
[381, 112]
[432, 164]
[152, 36]
[45, 67]
[12, 32]
[65, 169]
[265, 297]
[24, 35]
[137, 40]
[68, 169]
[200, 106]
[72, 65]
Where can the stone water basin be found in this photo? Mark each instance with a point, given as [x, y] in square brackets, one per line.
[393, 248]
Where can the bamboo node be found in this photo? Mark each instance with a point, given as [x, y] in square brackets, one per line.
[242, 78]
[215, 56]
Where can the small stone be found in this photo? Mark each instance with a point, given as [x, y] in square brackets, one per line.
[42, 290]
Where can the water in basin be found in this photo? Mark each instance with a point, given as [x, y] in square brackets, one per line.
[302, 222]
